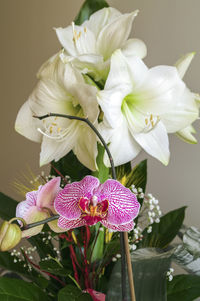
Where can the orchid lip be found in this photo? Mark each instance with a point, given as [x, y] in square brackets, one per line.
[93, 209]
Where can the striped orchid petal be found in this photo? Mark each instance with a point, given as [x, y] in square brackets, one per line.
[88, 202]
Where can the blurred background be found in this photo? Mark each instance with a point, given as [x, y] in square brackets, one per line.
[169, 29]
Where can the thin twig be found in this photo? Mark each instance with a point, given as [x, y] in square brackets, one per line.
[44, 221]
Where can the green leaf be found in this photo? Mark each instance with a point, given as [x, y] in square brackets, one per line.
[149, 271]
[69, 165]
[8, 207]
[43, 248]
[19, 290]
[138, 176]
[7, 262]
[183, 288]
[165, 231]
[88, 8]
[103, 172]
[97, 252]
[187, 255]
[54, 268]
[72, 293]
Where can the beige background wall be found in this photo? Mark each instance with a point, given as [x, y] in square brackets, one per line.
[170, 28]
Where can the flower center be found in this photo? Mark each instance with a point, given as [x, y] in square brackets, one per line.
[93, 210]
[138, 120]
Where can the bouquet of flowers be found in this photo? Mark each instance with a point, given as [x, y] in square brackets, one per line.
[89, 229]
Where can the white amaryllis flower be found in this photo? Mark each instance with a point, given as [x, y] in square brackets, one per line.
[141, 106]
[91, 45]
[61, 89]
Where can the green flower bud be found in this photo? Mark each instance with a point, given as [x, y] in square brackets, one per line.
[10, 236]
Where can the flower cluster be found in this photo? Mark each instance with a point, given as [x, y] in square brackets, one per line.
[100, 74]
[80, 203]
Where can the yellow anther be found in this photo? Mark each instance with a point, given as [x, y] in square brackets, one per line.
[85, 29]
[53, 123]
[79, 35]
[51, 130]
[146, 121]
[58, 130]
[151, 117]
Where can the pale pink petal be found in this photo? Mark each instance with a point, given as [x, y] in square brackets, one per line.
[123, 204]
[121, 228]
[34, 215]
[70, 224]
[24, 207]
[48, 193]
[66, 203]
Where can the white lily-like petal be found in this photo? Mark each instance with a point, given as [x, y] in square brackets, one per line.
[183, 63]
[183, 113]
[55, 149]
[111, 102]
[117, 32]
[61, 89]
[125, 71]
[122, 147]
[101, 18]
[26, 125]
[134, 47]
[186, 134]
[76, 40]
[155, 142]
[89, 46]
[155, 103]
[86, 147]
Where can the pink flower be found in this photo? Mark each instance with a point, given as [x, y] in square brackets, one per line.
[38, 205]
[88, 202]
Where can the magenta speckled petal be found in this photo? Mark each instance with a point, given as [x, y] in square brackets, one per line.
[48, 193]
[121, 228]
[70, 224]
[123, 204]
[66, 203]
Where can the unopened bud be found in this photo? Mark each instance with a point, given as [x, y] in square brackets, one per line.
[10, 236]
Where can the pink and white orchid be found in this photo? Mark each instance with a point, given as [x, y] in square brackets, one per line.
[38, 205]
[88, 202]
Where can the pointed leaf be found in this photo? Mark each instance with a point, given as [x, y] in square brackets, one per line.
[54, 268]
[165, 231]
[19, 290]
[103, 172]
[183, 288]
[72, 293]
[138, 176]
[97, 252]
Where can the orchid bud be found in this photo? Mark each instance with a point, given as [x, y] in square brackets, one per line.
[10, 236]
